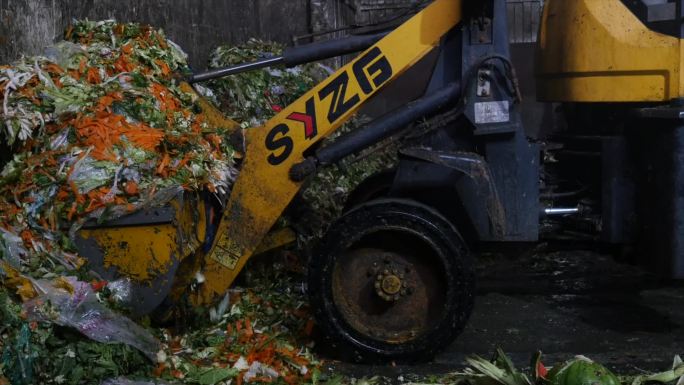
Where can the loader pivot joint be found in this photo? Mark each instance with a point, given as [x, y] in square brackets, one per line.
[302, 170]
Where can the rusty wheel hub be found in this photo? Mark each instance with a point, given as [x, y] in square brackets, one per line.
[391, 280]
[390, 283]
[389, 296]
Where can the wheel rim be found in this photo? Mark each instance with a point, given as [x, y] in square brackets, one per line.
[394, 291]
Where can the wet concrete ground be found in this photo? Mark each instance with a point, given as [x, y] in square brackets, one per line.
[563, 302]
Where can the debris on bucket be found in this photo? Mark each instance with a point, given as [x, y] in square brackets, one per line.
[99, 128]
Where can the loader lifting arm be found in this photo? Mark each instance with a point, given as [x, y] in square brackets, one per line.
[265, 187]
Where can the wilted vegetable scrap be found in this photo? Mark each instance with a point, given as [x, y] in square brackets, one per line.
[260, 336]
[579, 370]
[99, 128]
[254, 97]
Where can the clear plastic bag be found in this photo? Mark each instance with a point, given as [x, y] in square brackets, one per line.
[89, 174]
[12, 248]
[60, 140]
[74, 304]
[121, 291]
[63, 53]
[257, 369]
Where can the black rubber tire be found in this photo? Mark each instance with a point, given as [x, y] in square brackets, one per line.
[401, 216]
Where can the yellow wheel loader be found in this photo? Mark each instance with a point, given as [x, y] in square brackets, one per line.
[393, 277]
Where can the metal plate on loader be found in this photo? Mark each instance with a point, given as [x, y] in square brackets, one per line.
[144, 250]
[492, 112]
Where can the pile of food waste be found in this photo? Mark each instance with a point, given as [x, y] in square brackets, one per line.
[253, 97]
[259, 333]
[100, 127]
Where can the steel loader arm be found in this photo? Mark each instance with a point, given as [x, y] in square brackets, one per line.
[264, 188]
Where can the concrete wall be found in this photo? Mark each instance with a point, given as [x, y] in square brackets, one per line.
[27, 26]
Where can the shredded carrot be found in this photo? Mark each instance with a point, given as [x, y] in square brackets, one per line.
[159, 370]
[27, 237]
[52, 67]
[93, 76]
[184, 161]
[82, 65]
[74, 74]
[127, 49]
[249, 332]
[122, 64]
[163, 164]
[215, 140]
[74, 188]
[164, 67]
[72, 211]
[131, 188]
[107, 129]
[167, 101]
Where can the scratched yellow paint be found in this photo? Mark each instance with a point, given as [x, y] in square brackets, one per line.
[263, 191]
[144, 252]
[140, 253]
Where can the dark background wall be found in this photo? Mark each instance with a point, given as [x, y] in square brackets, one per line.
[27, 26]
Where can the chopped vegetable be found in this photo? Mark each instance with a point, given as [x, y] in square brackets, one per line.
[98, 127]
[254, 97]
